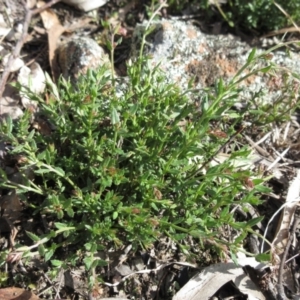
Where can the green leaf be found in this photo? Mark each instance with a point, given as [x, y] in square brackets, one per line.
[66, 234]
[3, 177]
[48, 156]
[32, 236]
[41, 155]
[88, 261]
[56, 263]
[9, 124]
[115, 215]
[102, 263]
[114, 116]
[186, 252]
[254, 221]
[30, 136]
[234, 258]
[59, 171]
[225, 212]
[154, 206]
[41, 249]
[52, 233]
[108, 45]
[95, 263]
[63, 230]
[67, 202]
[52, 86]
[88, 246]
[93, 247]
[266, 69]
[60, 225]
[230, 23]
[60, 214]
[49, 254]
[119, 41]
[179, 236]
[42, 171]
[240, 238]
[18, 148]
[263, 257]
[262, 189]
[251, 55]
[70, 212]
[220, 86]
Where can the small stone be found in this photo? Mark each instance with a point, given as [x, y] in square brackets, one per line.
[86, 5]
[76, 56]
[16, 65]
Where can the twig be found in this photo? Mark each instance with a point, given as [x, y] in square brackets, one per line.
[272, 218]
[280, 31]
[255, 145]
[287, 15]
[280, 289]
[160, 283]
[29, 14]
[151, 271]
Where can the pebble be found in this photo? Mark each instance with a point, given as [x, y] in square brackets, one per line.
[76, 56]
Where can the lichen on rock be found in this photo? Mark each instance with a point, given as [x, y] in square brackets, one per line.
[185, 53]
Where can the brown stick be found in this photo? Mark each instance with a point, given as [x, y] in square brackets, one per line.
[280, 289]
[20, 43]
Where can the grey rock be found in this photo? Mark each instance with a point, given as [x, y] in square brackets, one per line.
[185, 53]
[123, 270]
[76, 56]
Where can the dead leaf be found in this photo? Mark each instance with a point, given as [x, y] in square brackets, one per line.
[43, 127]
[283, 229]
[14, 257]
[84, 22]
[31, 3]
[9, 231]
[14, 293]
[4, 28]
[123, 269]
[49, 17]
[16, 65]
[54, 30]
[157, 193]
[205, 284]
[287, 217]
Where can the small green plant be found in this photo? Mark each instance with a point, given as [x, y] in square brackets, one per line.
[130, 163]
[262, 15]
[259, 15]
[125, 168]
[3, 278]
